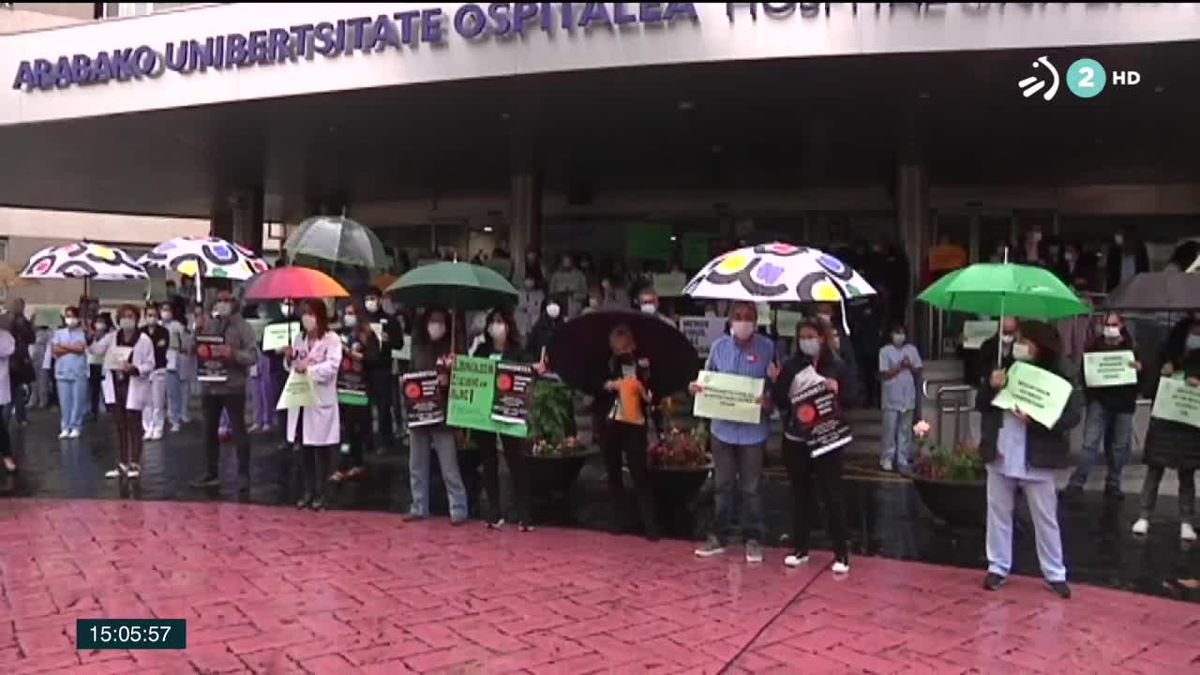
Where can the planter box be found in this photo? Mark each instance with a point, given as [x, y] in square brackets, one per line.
[551, 477]
[957, 503]
[674, 491]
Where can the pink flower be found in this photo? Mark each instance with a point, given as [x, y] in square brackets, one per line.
[921, 429]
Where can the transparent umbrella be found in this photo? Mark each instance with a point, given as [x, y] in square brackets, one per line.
[339, 240]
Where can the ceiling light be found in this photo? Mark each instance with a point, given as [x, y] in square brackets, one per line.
[487, 228]
[686, 105]
[505, 116]
[674, 238]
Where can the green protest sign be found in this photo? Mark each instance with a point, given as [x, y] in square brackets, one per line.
[1109, 369]
[298, 392]
[279, 335]
[729, 397]
[1038, 393]
[472, 390]
[1177, 401]
[648, 241]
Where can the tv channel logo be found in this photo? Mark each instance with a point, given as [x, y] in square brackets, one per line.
[1085, 78]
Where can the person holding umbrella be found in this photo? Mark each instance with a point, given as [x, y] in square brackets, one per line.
[1021, 453]
[432, 350]
[360, 356]
[381, 384]
[1174, 445]
[503, 344]
[626, 394]
[737, 447]
[127, 387]
[315, 429]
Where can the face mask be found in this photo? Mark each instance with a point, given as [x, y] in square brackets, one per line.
[128, 324]
[553, 310]
[606, 285]
[1007, 338]
[1071, 257]
[498, 330]
[593, 302]
[898, 338]
[309, 322]
[222, 309]
[99, 325]
[1119, 239]
[649, 308]
[350, 320]
[166, 316]
[742, 330]
[810, 347]
[1022, 352]
[529, 284]
[72, 322]
[1192, 343]
[1112, 332]
[567, 264]
[436, 331]
[372, 306]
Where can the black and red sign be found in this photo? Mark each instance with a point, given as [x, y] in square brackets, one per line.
[514, 388]
[819, 419]
[424, 399]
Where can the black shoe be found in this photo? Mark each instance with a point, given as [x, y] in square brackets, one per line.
[243, 483]
[304, 502]
[994, 581]
[495, 523]
[1114, 493]
[206, 482]
[1072, 493]
[1060, 588]
[284, 446]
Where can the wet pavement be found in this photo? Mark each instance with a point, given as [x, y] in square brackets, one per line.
[886, 515]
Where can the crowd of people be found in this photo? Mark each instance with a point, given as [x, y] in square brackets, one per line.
[146, 362]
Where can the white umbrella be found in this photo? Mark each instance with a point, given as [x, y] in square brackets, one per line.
[83, 260]
[206, 258]
[778, 272]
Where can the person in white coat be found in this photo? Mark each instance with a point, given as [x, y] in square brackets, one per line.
[315, 429]
[154, 418]
[128, 355]
[8, 346]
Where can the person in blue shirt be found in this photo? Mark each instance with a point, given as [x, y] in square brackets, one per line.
[738, 447]
[68, 345]
[899, 372]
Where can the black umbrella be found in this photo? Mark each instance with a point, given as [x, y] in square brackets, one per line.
[1157, 292]
[579, 352]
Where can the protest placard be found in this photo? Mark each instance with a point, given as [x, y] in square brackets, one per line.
[728, 397]
[1109, 369]
[297, 392]
[472, 390]
[702, 331]
[279, 335]
[211, 355]
[514, 388]
[817, 414]
[424, 399]
[1038, 393]
[1177, 401]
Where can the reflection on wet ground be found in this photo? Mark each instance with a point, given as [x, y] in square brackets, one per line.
[886, 515]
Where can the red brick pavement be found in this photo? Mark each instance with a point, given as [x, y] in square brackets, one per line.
[272, 590]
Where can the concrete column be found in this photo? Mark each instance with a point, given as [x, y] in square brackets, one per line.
[915, 227]
[525, 218]
[246, 215]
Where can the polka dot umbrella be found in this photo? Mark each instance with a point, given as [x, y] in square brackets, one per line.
[778, 273]
[206, 258]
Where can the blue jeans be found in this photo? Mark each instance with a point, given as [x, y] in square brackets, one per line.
[737, 470]
[1043, 510]
[73, 402]
[424, 443]
[174, 397]
[897, 438]
[1113, 431]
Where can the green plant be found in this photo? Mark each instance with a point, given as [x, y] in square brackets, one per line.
[681, 449]
[551, 414]
[960, 462]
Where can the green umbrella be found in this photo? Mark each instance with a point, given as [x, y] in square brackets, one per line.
[339, 240]
[1004, 289]
[456, 285]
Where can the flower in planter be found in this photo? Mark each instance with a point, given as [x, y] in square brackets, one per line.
[570, 445]
[921, 429]
[961, 462]
[679, 449]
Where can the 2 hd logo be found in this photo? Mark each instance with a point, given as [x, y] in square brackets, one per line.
[1085, 78]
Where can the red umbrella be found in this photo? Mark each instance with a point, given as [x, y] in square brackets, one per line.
[291, 283]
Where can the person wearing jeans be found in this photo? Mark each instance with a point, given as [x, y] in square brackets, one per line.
[431, 351]
[1109, 415]
[68, 346]
[174, 380]
[738, 447]
[225, 350]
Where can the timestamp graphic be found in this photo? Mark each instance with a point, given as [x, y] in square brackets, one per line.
[130, 634]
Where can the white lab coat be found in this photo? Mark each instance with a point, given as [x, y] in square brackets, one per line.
[139, 381]
[322, 424]
[8, 347]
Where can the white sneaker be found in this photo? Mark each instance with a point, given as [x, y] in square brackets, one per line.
[1187, 532]
[74, 434]
[840, 567]
[796, 559]
[886, 465]
[134, 471]
[1141, 527]
[116, 473]
[174, 428]
[66, 433]
[754, 552]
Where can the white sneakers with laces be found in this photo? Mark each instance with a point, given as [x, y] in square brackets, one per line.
[1187, 532]
[1141, 527]
[796, 559]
